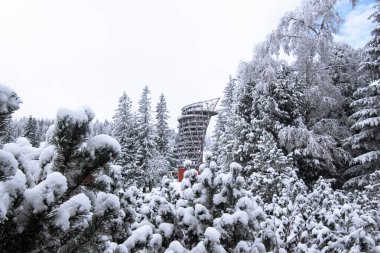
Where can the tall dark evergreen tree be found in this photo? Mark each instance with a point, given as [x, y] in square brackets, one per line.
[366, 139]
[145, 138]
[31, 131]
[162, 126]
[162, 162]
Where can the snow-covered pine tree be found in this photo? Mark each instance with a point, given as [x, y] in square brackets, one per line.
[245, 134]
[56, 203]
[30, 131]
[221, 135]
[102, 127]
[146, 149]
[9, 102]
[10, 133]
[371, 63]
[366, 138]
[124, 131]
[162, 126]
[161, 160]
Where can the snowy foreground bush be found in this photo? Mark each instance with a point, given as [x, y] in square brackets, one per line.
[212, 212]
[57, 196]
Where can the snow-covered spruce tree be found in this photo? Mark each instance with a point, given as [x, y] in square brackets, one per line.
[245, 133]
[10, 134]
[366, 138]
[221, 142]
[30, 131]
[162, 126]
[146, 140]
[161, 160]
[9, 102]
[269, 167]
[371, 63]
[102, 127]
[203, 190]
[343, 67]
[42, 127]
[125, 132]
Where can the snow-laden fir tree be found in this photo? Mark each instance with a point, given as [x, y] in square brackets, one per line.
[9, 102]
[146, 149]
[366, 138]
[102, 127]
[125, 132]
[222, 132]
[371, 63]
[162, 126]
[10, 133]
[31, 131]
[244, 133]
[161, 160]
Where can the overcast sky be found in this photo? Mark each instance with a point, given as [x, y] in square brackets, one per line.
[74, 52]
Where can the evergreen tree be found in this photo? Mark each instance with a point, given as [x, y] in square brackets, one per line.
[145, 139]
[162, 127]
[221, 136]
[30, 131]
[371, 63]
[9, 102]
[60, 206]
[244, 130]
[366, 138]
[160, 162]
[125, 133]
[102, 127]
[10, 133]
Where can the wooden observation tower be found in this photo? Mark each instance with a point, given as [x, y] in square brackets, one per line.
[192, 128]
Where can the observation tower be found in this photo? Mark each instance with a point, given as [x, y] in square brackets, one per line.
[192, 128]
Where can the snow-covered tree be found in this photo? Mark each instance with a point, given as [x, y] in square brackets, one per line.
[162, 126]
[366, 138]
[9, 102]
[102, 127]
[221, 135]
[146, 139]
[307, 34]
[160, 162]
[125, 132]
[30, 131]
[371, 63]
[52, 197]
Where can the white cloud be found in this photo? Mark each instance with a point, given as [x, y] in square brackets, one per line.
[357, 27]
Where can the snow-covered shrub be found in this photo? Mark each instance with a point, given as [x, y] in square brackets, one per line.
[51, 196]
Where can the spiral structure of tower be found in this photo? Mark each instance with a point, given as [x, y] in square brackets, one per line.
[192, 128]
